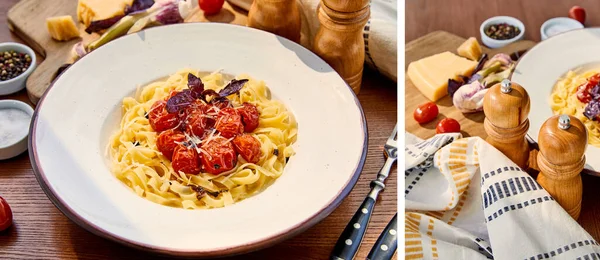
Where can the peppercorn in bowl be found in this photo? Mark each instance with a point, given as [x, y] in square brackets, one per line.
[17, 61]
[500, 31]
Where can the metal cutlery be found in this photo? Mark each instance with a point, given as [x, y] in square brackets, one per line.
[350, 239]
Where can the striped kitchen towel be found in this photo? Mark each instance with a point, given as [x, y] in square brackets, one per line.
[466, 200]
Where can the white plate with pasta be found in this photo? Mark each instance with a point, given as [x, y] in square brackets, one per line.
[198, 140]
[561, 76]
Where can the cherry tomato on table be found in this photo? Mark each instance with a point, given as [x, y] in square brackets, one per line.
[229, 123]
[249, 114]
[211, 7]
[426, 112]
[5, 215]
[577, 13]
[185, 159]
[160, 119]
[248, 147]
[447, 125]
[165, 142]
[219, 157]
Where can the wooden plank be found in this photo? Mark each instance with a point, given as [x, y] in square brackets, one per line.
[430, 44]
[27, 19]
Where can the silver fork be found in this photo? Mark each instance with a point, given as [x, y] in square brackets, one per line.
[350, 239]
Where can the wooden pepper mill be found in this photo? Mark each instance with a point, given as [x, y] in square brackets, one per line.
[562, 142]
[280, 17]
[506, 107]
[339, 40]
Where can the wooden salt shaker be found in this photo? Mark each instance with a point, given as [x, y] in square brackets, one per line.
[562, 142]
[280, 17]
[339, 40]
[506, 107]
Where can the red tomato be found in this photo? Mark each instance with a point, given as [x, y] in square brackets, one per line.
[248, 147]
[584, 91]
[447, 125]
[426, 112]
[211, 7]
[165, 142]
[249, 115]
[185, 160]
[5, 215]
[160, 119]
[577, 13]
[229, 123]
[222, 103]
[219, 157]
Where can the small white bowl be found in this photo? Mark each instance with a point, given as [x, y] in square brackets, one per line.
[493, 43]
[13, 149]
[15, 84]
[558, 25]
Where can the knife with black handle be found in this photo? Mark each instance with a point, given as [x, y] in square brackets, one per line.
[387, 243]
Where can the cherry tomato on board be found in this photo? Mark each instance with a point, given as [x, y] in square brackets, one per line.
[5, 215]
[577, 13]
[447, 125]
[248, 147]
[426, 112]
[211, 7]
[165, 142]
[249, 114]
[229, 123]
[185, 159]
[160, 119]
[220, 156]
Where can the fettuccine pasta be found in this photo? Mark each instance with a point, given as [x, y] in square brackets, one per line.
[564, 100]
[138, 163]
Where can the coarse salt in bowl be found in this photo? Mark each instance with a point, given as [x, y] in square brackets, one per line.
[15, 117]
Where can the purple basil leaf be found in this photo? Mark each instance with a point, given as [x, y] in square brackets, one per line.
[592, 110]
[99, 25]
[209, 92]
[595, 92]
[169, 14]
[233, 87]
[139, 5]
[180, 101]
[195, 85]
[453, 86]
[482, 61]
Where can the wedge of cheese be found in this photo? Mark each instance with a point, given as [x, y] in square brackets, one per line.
[92, 10]
[62, 28]
[430, 75]
[470, 49]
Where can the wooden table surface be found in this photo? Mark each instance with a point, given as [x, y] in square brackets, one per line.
[41, 231]
[463, 18]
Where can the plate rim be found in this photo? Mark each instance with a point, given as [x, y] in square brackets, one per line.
[250, 246]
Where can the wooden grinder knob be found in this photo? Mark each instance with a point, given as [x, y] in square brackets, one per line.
[281, 17]
[506, 107]
[562, 141]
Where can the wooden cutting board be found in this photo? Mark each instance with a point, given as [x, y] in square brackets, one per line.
[27, 19]
[434, 43]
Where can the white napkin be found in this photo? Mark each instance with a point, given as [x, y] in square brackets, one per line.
[472, 202]
[380, 33]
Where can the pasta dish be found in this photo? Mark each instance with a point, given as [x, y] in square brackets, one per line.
[578, 94]
[199, 143]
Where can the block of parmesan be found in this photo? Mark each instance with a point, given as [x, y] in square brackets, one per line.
[430, 75]
[470, 49]
[92, 10]
[62, 28]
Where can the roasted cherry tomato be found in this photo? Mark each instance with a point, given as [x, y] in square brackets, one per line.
[185, 159]
[447, 125]
[229, 123]
[166, 141]
[584, 91]
[221, 103]
[249, 115]
[211, 7]
[248, 147]
[426, 112]
[577, 13]
[160, 119]
[218, 156]
[5, 215]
